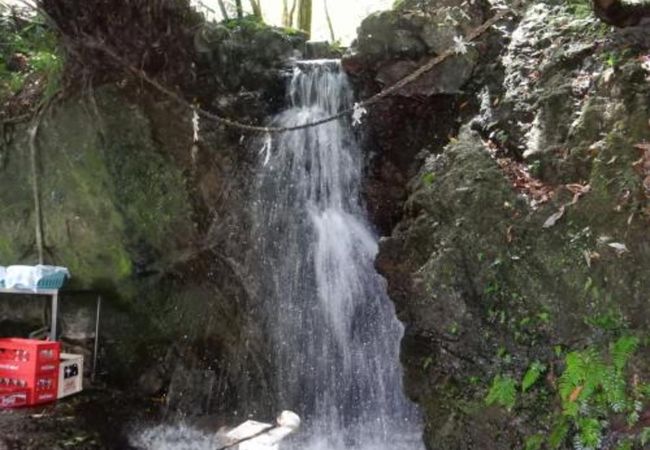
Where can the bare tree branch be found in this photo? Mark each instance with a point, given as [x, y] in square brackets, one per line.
[240, 9]
[329, 22]
[257, 8]
[224, 11]
[292, 13]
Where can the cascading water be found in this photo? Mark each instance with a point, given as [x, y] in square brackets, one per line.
[331, 326]
[333, 329]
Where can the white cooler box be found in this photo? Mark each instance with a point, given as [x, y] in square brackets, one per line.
[71, 374]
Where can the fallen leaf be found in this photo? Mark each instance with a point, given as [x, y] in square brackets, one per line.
[553, 218]
[619, 247]
[604, 239]
[577, 188]
[575, 393]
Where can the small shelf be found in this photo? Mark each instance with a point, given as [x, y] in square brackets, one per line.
[48, 292]
[54, 294]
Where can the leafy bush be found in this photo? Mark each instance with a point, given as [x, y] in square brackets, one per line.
[27, 47]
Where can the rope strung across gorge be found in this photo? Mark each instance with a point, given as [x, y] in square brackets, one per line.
[472, 36]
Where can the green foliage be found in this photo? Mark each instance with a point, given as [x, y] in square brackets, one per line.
[428, 178]
[559, 433]
[584, 372]
[534, 442]
[644, 436]
[592, 387]
[249, 23]
[532, 375]
[610, 320]
[626, 444]
[590, 433]
[622, 350]
[27, 48]
[503, 392]
[580, 8]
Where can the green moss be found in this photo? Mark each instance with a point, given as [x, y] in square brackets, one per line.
[109, 197]
[250, 23]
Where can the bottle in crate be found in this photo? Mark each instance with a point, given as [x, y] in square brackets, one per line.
[32, 365]
[13, 397]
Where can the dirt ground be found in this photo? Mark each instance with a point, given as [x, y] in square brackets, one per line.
[92, 420]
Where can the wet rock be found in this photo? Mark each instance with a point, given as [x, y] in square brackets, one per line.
[422, 113]
[482, 287]
[393, 43]
[247, 54]
[190, 391]
[448, 78]
[154, 221]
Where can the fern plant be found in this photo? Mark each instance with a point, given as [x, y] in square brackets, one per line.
[591, 388]
[503, 392]
[531, 376]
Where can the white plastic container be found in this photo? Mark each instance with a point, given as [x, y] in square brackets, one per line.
[71, 369]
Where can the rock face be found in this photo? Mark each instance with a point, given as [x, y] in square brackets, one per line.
[524, 237]
[391, 45]
[156, 222]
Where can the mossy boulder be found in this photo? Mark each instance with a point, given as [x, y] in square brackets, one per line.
[140, 213]
[110, 199]
[506, 257]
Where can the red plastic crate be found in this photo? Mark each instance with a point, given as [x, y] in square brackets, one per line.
[32, 365]
[13, 397]
[45, 389]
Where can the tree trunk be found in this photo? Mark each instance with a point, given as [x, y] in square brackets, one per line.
[329, 22]
[620, 14]
[224, 11]
[285, 13]
[257, 8]
[240, 9]
[304, 16]
[292, 13]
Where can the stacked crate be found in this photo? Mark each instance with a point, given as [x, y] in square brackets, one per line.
[29, 372]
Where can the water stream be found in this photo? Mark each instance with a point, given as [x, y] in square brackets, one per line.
[333, 328]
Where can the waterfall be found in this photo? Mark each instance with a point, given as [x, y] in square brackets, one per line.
[332, 328]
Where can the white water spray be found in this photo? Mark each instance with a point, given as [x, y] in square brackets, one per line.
[331, 326]
[333, 329]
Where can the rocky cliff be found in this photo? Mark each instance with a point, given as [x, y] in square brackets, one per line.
[156, 222]
[519, 259]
